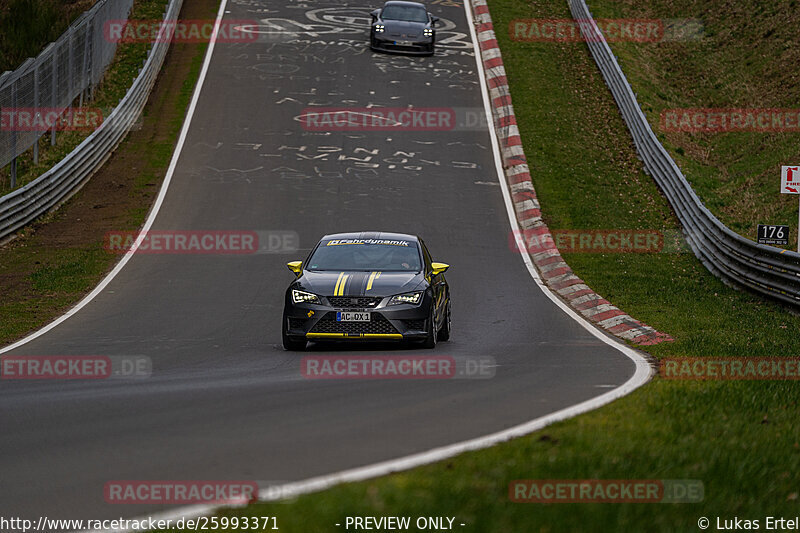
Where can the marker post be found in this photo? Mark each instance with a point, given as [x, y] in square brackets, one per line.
[790, 184]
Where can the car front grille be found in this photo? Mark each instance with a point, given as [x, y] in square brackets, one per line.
[354, 302]
[378, 325]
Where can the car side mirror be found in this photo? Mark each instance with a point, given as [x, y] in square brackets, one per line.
[374, 14]
[296, 267]
[434, 19]
[439, 268]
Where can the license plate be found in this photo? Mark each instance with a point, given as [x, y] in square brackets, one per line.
[352, 316]
[403, 43]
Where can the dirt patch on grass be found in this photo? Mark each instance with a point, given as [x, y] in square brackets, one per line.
[58, 259]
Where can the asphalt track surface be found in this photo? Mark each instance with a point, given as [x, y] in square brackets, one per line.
[224, 400]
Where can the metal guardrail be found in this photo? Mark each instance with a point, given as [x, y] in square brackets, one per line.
[734, 259]
[55, 186]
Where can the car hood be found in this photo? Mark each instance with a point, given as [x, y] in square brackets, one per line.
[359, 283]
[399, 28]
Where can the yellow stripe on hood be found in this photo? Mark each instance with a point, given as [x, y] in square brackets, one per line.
[372, 278]
[344, 282]
[338, 281]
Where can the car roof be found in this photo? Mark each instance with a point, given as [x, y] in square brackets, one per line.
[403, 3]
[383, 235]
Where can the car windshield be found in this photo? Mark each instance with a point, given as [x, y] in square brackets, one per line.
[366, 255]
[405, 13]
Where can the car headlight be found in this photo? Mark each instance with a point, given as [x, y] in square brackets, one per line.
[299, 297]
[427, 32]
[380, 28]
[407, 298]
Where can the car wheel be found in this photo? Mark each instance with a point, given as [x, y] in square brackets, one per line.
[444, 332]
[291, 344]
[433, 332]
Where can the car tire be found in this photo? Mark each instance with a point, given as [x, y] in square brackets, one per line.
[444, 332]
[433, 332]
[291, 344]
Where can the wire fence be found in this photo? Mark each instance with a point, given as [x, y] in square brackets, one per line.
[68, 69]
[27, 203]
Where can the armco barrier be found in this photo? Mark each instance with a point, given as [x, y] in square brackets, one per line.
[27, 203]
[736, 260]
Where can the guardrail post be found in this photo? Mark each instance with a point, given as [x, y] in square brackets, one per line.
[85, 66]
[36, 111]
[15, 114]
[70, 66]
[90, 45]
[54, 95]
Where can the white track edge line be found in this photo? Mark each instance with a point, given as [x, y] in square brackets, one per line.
[640, 377]
[156, 205]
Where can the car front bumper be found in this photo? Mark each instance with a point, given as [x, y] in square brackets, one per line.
[423, 45]
[317, 322]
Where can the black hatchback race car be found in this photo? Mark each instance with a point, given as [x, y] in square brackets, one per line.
[403, 27]
[367, 286]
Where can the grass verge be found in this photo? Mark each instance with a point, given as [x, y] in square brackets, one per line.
[739, 439]
[27, 26]
[745, 57]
